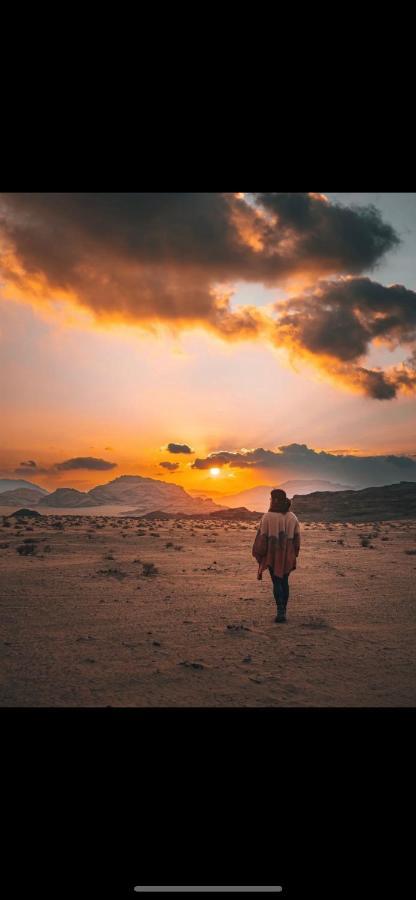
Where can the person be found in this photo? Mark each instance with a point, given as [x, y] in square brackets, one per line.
[276, 548]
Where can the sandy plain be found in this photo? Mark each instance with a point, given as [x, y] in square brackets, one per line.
[83, 625]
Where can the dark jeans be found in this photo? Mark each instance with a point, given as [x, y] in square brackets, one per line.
[280, 590]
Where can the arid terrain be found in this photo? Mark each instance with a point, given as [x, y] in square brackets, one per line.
[109, 611]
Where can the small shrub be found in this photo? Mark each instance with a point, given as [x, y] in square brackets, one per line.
[26, 549]
[149, 569]
[112, 573]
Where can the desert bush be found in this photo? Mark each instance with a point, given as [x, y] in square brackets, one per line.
[149, 568]
[410, 552]
[26, 549]
[112, 573]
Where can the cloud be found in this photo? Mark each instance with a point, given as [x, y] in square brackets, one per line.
[170, 466]
[30, 467]
[298, 460]
[334, 326]
[85, 462]
[174, 258]
[160, 257]
[179, 448]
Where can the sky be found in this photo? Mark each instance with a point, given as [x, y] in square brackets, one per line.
[217, 341]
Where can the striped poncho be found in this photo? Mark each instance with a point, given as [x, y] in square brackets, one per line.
[277, 543]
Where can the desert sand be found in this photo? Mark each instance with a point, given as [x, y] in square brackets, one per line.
[83, 625]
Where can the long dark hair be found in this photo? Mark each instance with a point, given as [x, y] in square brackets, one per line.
[279, 502]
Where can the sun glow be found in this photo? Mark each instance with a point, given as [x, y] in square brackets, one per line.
[214, 472]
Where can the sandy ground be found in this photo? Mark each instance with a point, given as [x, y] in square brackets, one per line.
[82, 626]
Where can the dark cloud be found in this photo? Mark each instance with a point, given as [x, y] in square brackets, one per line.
[157, 257]
[31, 467]
[170, 466]
[339, 320]
[343, 239]
[85, 462]
[298, 460]
[179, 448]
[173, 258]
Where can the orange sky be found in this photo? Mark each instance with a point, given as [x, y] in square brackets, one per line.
[75, 387]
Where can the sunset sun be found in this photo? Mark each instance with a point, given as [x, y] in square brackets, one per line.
[214, 472]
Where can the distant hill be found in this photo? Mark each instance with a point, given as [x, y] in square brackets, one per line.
[393, 501]
[149, 494]
[25, 514]
[240, 512]
[66, 497]
[15, 484]
[145, 494]
[25, 496]
[259, 497]
[224, 514]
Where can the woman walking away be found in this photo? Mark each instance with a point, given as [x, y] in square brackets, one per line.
[276, 548]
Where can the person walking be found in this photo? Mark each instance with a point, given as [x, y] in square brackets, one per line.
[276, 548]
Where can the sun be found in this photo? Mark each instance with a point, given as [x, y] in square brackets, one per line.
[214, 472]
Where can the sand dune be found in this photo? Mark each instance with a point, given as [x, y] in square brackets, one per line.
[83, 625]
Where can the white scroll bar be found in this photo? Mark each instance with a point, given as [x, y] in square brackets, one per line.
[210, 889]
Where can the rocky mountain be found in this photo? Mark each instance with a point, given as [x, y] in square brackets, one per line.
[17, 484]
[223, 514]
[259, 497]
[67, 498]
[147, 495]
[25, 496]
[25, 514]
[393, 501]
[240, 512]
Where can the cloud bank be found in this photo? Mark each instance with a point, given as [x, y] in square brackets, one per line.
[85, 462]
[173, 258]
[338, 321]
[298, 460]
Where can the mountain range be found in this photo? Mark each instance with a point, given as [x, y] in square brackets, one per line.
[156, 499]
[392, 501]
[145, 494]
[14, 484]
[259, 497]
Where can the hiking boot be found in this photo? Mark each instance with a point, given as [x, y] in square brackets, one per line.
[280, 618]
